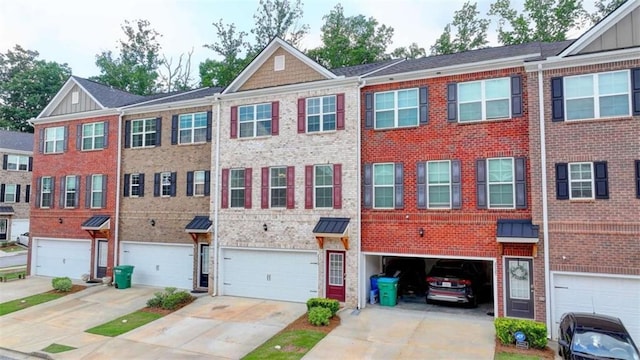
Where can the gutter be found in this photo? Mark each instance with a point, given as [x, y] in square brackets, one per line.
[216, 211]
[361, 83]
[116, 238]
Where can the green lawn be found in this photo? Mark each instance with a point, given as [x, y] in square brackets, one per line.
[293, 345]
[19, 304]
[57, 348]
[12, 248]
[511, 356]
[124, 323]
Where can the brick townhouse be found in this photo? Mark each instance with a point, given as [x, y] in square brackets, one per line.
[16, 150]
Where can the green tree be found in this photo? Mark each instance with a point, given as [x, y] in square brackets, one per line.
[232, 48]
[471, 32]
[414, 51]
[351, 40]
[27, 85]
[136, 68]
[540, 20]
[604, 8]
[278, 18]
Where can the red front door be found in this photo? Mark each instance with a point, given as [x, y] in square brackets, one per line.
[335, 275]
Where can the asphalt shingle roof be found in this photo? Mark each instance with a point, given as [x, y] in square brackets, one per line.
[359, 70]
[108, 96]
[15, 140]
[187, 95]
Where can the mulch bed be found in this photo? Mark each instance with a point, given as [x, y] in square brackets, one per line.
[546, 354]
[163, 312]
[302, 323]
[74, 289]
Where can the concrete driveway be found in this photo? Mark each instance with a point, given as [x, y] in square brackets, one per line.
[391, 333]
[210, 327]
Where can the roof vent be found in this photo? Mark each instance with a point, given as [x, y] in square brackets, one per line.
[278, 63]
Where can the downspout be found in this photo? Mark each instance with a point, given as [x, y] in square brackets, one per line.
[215, 203]
[116, 221]
[545, 209]
[361, 84]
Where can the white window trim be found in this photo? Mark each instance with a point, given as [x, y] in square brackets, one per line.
[165, 180]
[6, 191]
[571, 181]
[596, 95]
[94, 191]
[42, 192]
[93, 136]
[196, 182]
[232, 188]
[192, 128]
[54, 140]
[396, 109]
[483, 100]
[316, 187]
[143, 133]
[279, 187]
[512, 183]
[132, 185]
[254, 121]
[373, 182]
[18, 162]
[321, 114]
[67, 192]
[449, 184]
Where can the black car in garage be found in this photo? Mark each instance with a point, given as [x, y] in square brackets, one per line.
[455, 281]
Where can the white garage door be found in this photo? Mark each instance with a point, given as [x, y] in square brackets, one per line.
[60, 258]
[274, 275]
[613, 296]
[162, 265]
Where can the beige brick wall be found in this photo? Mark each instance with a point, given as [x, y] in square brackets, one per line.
[22, 178]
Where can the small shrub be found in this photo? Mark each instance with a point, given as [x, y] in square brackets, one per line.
[62, 284]
[319, 316]
[331, 304]
[169, 299]
[536, 332]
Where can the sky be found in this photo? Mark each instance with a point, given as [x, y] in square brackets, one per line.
[75, 31]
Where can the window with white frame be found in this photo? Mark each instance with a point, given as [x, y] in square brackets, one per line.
[321, 114]
[96, 191]
[396, 109]
[18, 162]
[278, 187]
[501, 183]
[599, 95]
[439, 184]
[198, 183]
[193, 128]
[236, 187]
[255, 120]
[165, 183]
[3, 229]
[134, 185]
[383, 186]
[323, 186]
[581, 180]
[46, 194]
[143, 133]
[70, 191]
[10, 193]
[54, 140]
[93, 136]
[484, 100]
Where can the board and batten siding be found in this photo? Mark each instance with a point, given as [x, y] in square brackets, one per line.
[66, 106]
[624, 34]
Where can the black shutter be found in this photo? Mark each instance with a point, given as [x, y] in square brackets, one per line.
[127, 134]
[516, 96]
[41, 141]
[27, 193]
[18, 193]
[30, 163]
[2, 188]
[481, 184]
[87, 198]
[63, 192]
[174, 180]
[562, 181]
[635, 86]
[79, 137]
[601, 181]
[65, 142]
[105, 142]
[141, 180]
[452, 102]
[209, 125]
[557, 105]
[367, 196]
[368, 106]
[189, 183]
[521, 183]
[104, 191]
[5, 161]
[174, 129]
[127, 183]
[156, 184]
[38, 187]
[158, 131]
[424, 105]
[421, 185]
[399, 186]
[638, 179]
[207, 183]
[456, 185]
[53, 193]
[77, 201]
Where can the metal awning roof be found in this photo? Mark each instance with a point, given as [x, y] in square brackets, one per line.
[517, 231]
[6, 210]
[331, 227]
[97, 222]
[199, 224]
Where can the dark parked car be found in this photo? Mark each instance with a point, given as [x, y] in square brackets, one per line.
[594, 336]
[455, 281]
[411, 274]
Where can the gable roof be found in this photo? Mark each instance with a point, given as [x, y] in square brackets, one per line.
[178, 97]
[14, 140]
[255, 64]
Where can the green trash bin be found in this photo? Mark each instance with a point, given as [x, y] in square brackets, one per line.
[388, 287]
[122, 276]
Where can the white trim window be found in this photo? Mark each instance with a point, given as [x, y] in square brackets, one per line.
[70, 191]
[501, 183]
[96, 191]
[10, 193]
[192, 128]
[383, 186]
[198, 183]
[143, 133]
[278, 187]
[17, 162]
[594, 96]
[93, 136]
[394, 109]
[237, 188]
[46, 193]
[439, 184]
[323, 186]
[254, 120]
[54, 140]
[165, 184]
[581, 180]
[134, 185]
[484, 99]
[321, 114]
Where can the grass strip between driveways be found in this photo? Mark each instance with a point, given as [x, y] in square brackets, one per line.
[57, 348]
[124, 323]
[512, 356]
[19, 304]
[287, 345]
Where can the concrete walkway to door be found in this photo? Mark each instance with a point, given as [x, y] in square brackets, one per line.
[391, 333]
